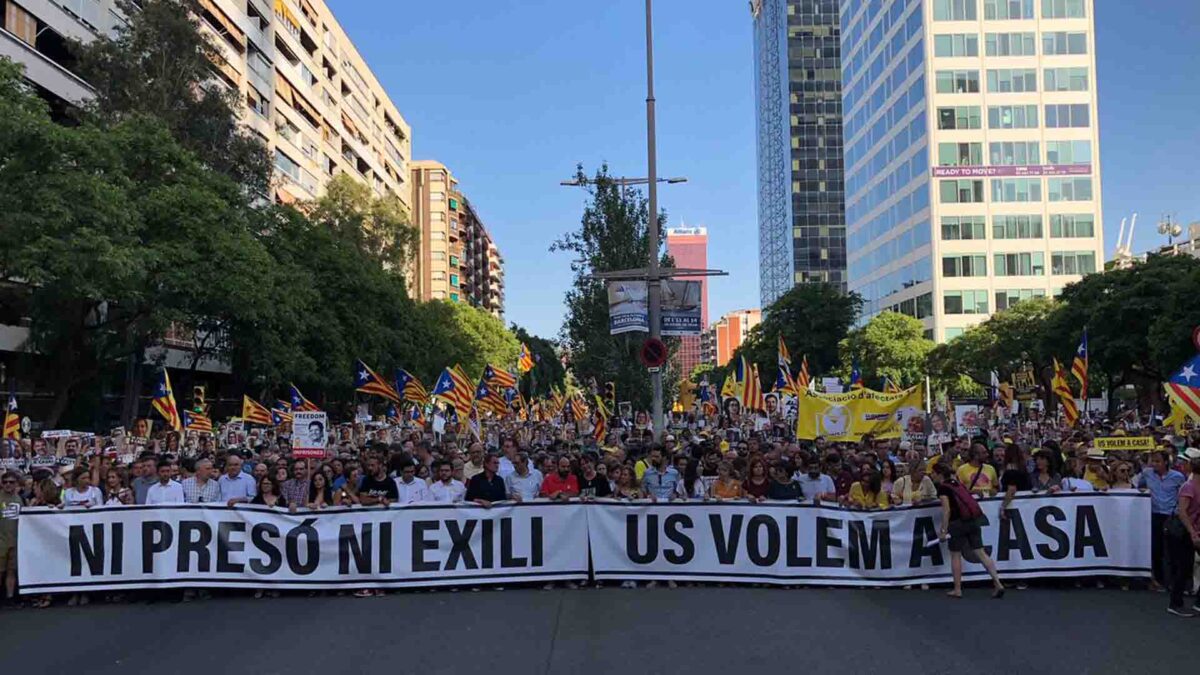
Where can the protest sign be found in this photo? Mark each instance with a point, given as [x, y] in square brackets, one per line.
[966, 420]
[310, 434]
[774, 543]
[1134, 443]
[628, 307]
[197, 546]
[848, 417]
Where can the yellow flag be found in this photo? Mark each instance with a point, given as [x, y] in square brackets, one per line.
[848, 417]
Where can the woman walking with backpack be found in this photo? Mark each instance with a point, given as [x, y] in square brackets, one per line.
[962, 523]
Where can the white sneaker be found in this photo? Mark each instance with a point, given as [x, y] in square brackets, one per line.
[672, 584]
[628, 584]
[1181, 612]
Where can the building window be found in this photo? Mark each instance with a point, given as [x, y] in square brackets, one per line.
[20, 23]
[454, 297]
[1017, 227]
[1010, 44]
[1008, 298]
[1069, 189]
[951, 10]
[953, 333]
[958, 81]
[437, 235]
[454, 280]
[1008, 9]
[1020, 264]
[454, 261]
[1066, 79]
[924, 305]
[438, 255]
[437, 196]
[1067, 116]
[964, 227]
[1064, 9]
[1072, 225]
[1012, 80]
[961, 191]
[1068, 152]
[964, 266]
[960, 154]
[965, 302]
[1016, 190]
[1062, 43]
[956, 44]
[1015, 153]
[960, 117]
[1072, 262]
[1012, 117]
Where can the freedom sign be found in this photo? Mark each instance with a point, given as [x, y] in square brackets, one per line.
[775, 543]
[192, 546]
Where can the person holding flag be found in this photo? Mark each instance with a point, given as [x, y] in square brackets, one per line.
[164, 402]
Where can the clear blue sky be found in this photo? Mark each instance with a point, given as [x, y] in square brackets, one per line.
[512, 95]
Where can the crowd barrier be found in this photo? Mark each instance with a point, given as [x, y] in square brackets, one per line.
[426, 545]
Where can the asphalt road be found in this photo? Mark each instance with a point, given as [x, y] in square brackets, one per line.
[585, 632]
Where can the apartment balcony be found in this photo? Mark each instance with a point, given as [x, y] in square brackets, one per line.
[76, 19]
[43, 70]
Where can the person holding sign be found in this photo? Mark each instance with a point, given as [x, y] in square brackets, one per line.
[962, 525]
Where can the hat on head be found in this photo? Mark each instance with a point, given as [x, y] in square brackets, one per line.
[670, 437]
[1191, 453]
[1095, 453]
[906, 446]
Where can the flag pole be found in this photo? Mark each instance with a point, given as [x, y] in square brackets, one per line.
[928, 397]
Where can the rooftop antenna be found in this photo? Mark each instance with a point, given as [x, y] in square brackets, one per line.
[1120, 238]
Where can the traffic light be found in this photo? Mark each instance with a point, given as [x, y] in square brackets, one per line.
[610, 397]
[198, 403]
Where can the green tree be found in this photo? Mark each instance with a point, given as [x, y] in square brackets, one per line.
[159, 64]
[377, 226]
[702, 371]
[813, 319]
[890, 345]
[548, 372]
[113, 233]
[613, 235]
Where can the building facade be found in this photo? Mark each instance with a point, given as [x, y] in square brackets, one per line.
[798, 83]
[728, 333]
[972, 154]
[307, 92]
[458, 260]
[688, 246]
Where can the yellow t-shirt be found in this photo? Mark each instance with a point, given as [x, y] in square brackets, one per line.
[860, 498]
[1095, 479]
[639, 469]
[986, 482]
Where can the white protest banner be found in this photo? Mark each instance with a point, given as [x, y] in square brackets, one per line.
[787, 543]
[309, 434]
[194, 545]
[628, 307]
[58, 433]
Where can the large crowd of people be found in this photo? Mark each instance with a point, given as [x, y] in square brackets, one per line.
[381, 466]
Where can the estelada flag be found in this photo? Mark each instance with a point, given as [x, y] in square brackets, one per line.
[524, 360]
[12, 421]
[300, 403]
[164, 401]
[254, 412]
[369, 382]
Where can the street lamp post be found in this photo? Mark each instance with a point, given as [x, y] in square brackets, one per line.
[653, 278]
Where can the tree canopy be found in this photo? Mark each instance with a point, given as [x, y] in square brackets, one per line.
[891, 346]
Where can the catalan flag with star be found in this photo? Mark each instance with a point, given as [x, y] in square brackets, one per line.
[488, 399]
[1183, 390]
[281, 412]
[499, 377]
[196, 421]
[524, 360]
[1079, 367]
[368, 381]
[12, 421]
[1065, 397]
[299, 403]
[804, 379]
[164, 401]
[254, 412]
[454, 389]
[410, 388]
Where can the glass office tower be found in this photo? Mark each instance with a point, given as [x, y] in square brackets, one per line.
[972, 154]
[801, 214]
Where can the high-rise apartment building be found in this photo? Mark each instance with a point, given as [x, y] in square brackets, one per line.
[801, 211]
[688, 246]
[728, 333]
[972, 154]
[308, 93]
[457, 259]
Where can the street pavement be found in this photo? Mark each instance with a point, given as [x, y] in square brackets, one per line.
[599, 631]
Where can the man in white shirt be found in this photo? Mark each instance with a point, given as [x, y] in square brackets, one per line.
[523, 484]
[165, 491]
[411, 489]
[446, 490]
[508, 458]
[236, 487]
